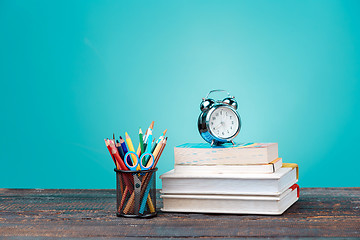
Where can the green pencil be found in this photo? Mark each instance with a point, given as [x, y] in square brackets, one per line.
[141, 141]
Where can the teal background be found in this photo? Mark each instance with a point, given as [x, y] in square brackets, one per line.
[74, 72]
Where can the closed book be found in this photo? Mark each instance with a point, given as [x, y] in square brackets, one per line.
[227, 154]
[231, 204]
[231, 184]
[232, 169]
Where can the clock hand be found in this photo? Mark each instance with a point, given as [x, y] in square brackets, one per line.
[218, 126]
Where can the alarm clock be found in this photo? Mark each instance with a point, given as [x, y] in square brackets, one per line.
[219, 122]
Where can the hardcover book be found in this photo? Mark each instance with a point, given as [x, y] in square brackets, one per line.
[232, 169]
[231, 204]
[226, 154]
[229, 184]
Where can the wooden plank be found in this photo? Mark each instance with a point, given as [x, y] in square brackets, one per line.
[320, 212]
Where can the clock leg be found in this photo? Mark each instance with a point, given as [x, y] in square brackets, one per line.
[212, 143]
[233, 142]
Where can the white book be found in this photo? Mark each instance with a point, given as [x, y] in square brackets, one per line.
[231, 204]
[227, 154]
[230, 184]
[229, 169]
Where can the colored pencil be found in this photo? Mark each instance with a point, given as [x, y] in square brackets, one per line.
[156, 143]
[141, 141]
[108, 147]
[131, 149]
[149, 139]
[123, 198]
[120, 150]
[116, 155]
[155, 152]
[157, 149]
[129, 142]
[146, 193]
[125, 150]
[159, 154]
[140, 149]
[151, 127]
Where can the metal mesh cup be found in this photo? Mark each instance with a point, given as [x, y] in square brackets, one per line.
[136, 193]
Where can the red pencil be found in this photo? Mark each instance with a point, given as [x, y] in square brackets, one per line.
[108, 147]
[117, 157]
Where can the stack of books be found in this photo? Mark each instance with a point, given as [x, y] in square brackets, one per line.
[246, 178]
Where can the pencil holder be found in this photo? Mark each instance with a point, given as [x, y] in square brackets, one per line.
[136, 193]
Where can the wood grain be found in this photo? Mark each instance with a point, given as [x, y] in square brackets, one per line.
[320, 212]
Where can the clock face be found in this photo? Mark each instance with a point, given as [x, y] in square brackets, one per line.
[223, 123]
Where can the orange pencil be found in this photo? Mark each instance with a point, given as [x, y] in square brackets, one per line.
[159, 154]
[157, 149]
[147, 132]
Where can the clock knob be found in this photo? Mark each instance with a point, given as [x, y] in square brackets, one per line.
[231, 102]
[206, 104]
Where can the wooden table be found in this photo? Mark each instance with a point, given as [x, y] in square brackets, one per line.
[320, 212]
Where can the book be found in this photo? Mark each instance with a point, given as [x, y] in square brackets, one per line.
[226, 154]
[232, 204]
[230, 184]
[225, 169]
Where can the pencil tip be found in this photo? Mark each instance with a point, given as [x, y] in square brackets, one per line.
[164, 132]
[152, 125]
[121, 137]
[140, 131]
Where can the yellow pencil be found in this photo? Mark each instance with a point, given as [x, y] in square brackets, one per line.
[130, 147]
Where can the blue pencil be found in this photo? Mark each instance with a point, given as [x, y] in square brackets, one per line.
[125, 150]
[121, 152]
[145, 196]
